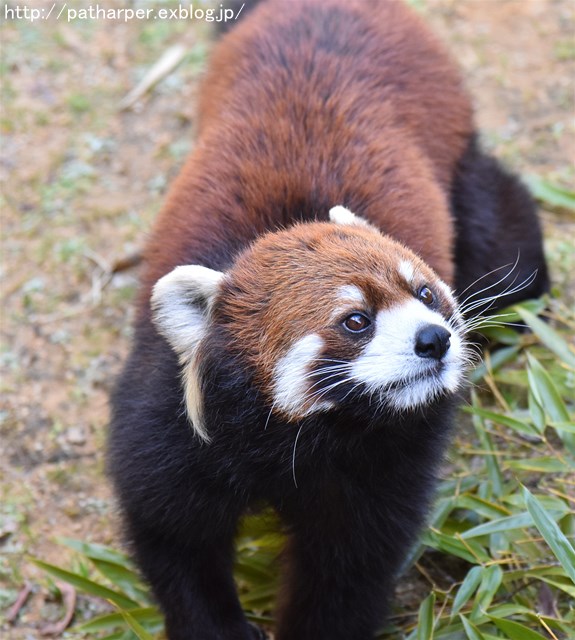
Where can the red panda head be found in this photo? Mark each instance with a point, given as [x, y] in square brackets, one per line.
[321, 312]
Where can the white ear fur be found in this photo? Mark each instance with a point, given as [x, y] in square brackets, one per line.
[341, 215]
[181, 303]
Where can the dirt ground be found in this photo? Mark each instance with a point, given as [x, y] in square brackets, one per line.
[82, 181]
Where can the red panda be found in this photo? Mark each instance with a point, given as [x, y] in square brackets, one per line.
[298, 341]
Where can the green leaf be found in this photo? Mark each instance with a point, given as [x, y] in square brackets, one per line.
[545, 391]
[150, 617]
[485, 508]
[490, 581]
[259, 597]
[508, 523]
[563, 426]
[546, 464]
[471, 631]
[136, 627]
[552, 534]
[567, 588]
[516, 631]
[548, 336]
[255, 568]
[550, 193]
[502, 335]
[498, 418]
[96, 551]
[546, 394]
[88, 586]
[426, 621]
[493, 470]
[495, 361]
[121, 635]
[467, 589]
[470, 551]
[124, 579]
[536, 412]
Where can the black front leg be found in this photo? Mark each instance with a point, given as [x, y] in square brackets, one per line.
[333, 593]
[195, 588]
[341, 564]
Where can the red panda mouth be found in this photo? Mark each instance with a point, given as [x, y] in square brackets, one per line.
[433, 373]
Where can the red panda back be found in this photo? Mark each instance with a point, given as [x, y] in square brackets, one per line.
[309, 104]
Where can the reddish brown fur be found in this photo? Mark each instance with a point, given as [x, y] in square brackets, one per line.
[288, 129]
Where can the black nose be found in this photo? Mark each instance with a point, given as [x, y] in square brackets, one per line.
[432, 341]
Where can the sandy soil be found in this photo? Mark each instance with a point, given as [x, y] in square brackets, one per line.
[81, 182]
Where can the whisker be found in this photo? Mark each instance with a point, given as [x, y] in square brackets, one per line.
[269, 415]
[473, 295]
[321, 372]
[332, 375]
[293, 456]
[317, 395]
[507, 292]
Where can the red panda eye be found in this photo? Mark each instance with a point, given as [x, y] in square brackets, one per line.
[356, 322]
[426, 296]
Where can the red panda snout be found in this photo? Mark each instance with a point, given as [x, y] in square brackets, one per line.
[325, 314]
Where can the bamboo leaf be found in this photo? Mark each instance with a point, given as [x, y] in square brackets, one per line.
[498, 418]
[124, 579]
[426, 621]
[471, 631]
[567, 588]
[548, 336]
[485, 508]
[508, 523]
[536, 412]
[516, 631]
[546, 464]
[490, 581]
[563, 426]
[493, 470]
[467, 589]
[503, 335]
[149, 617]
[548, 397]
[549, 193]
[136, 627]
[121, 635]
[470, 551]
[545, 391]
[496, 360]
[96, 551]
[88, 586]
[553, 535]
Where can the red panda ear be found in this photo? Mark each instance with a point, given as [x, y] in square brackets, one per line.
[341, 215]
[181, 302]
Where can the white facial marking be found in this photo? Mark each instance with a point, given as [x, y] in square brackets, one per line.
[341, 215]
[446, 290]
[451, 297]
[181, 303]
[351, 293]
[390, 359]
[291, 381]
[352, 300]
[406, 269]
